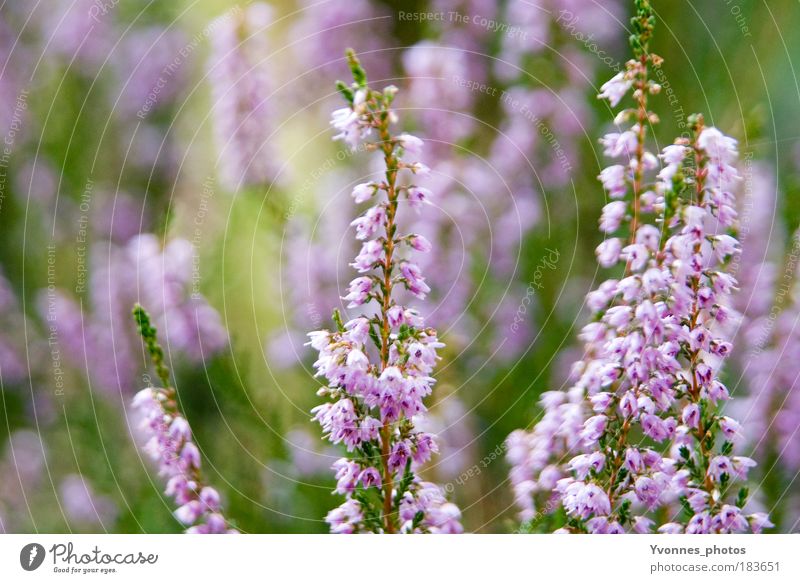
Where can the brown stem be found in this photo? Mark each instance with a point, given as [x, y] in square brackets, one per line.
[386, 304]
[641, 118]
[618, 460]
[701, 432]
[638, 179]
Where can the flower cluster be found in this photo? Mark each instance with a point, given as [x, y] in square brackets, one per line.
[169, 444]
[641, 429]
[378, 366]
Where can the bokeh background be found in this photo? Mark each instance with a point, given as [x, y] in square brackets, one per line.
[179, 154]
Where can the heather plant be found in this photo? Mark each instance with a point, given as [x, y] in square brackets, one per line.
[504, 159]
[640, 440]
[378, 364]
[169, 444]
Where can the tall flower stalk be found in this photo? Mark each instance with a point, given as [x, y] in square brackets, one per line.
[378, 364]
[639, 441]
[170, 445]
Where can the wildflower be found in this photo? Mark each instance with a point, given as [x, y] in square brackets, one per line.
[363, 192]
[376, 403]
[170, 446]
[615, 88]
[649, 369]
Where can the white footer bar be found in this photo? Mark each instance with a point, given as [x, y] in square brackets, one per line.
[406, 559]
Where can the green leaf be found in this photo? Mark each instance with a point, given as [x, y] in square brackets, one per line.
[373, 333]
[687, 508]
[149, 336]
[359, 74]
[337, 319]
[402, 487]
[741, 499]
[346, 92]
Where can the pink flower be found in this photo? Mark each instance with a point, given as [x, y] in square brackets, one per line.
[615, 89]
[360, 290]
[619, 144]
[612, 216]
[691, 415]
[718, 466]
[371, 253]
[368, 224]
[418, 196]
[411, 144]
[608, 252]
[613, 179]
[370, 477]
[363, 192]
[415, 283]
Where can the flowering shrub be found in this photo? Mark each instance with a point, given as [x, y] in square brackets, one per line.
[169, 444]
[378, 365]
[639, 440]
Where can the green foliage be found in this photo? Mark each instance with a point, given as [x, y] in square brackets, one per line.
[149, 335]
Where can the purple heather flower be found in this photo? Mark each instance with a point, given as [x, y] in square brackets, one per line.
[718, 466]
[411, 144]
[372, 400]
[370, 254]
[420, 243]
[346, 518]
[178, 459]
[608, 252]
[417, 196]
[691, 415]
[615, 88]
[613, 179]
[759, 521]
[612, 216]
[413, 279]
[370, 477]
[363, 192]
[654, 347]
[620, 144]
